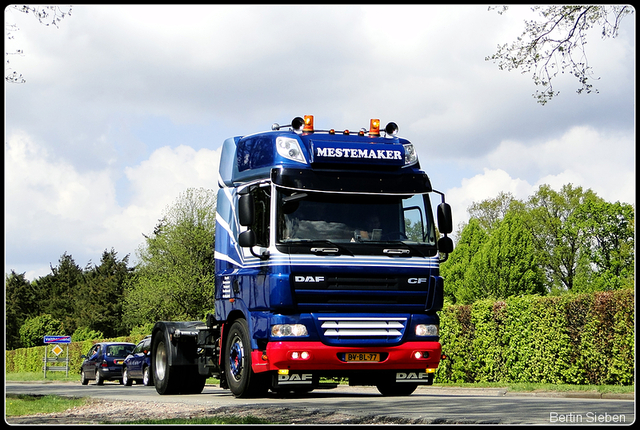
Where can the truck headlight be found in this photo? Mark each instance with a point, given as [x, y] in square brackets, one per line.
[426, 330]
[288, 330]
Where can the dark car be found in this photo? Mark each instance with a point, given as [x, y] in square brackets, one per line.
[104, 362]
[137, 365]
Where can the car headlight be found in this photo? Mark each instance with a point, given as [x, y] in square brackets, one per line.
[288, 330]
[426, 330]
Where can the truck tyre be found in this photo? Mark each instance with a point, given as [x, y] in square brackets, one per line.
[166, 378]
[243, 382]
[396, 389]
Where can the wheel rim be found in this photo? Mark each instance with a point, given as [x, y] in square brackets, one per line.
[236, 358]
[125, 376]
[145, 376]
[161, 361]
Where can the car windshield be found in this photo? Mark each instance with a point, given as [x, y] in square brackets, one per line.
[119, 351]
[354, 218]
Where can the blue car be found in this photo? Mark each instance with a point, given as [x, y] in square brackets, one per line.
[137, 365]
[104, 362]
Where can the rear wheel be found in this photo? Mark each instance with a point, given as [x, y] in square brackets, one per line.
[167, 378]
[243, 382]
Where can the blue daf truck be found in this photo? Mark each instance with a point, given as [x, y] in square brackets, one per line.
[327, 268]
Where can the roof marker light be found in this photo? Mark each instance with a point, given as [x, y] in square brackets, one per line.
[308, 124]
[374, 128]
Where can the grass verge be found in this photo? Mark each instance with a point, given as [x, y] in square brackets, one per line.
[24, 404]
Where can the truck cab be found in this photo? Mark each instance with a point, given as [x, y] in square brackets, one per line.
[327, 262]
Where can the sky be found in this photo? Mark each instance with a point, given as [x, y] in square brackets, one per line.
[125, 107]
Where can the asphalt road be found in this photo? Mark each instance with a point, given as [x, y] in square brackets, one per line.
[432, 404]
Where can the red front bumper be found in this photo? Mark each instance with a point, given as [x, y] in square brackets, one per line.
[282, 355]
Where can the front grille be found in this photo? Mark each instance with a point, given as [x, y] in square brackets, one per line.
[341, 330]
[373, 293]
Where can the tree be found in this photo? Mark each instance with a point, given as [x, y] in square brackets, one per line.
[46, 15]
[609, 244]
[58, 291]
[472, 239]
[559, 234]
[506, 265]
[100, 297]
[556, 44]
[21, 302]
[34, 330]
[176, 275]
[490, 212]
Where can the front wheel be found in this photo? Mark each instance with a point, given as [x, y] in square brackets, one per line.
[243, 382]
[126, 378]
[146, 376]
[99, 378]
[83, 378]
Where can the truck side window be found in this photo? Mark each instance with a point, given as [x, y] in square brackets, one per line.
[260, 225]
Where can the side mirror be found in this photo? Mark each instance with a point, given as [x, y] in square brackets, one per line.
[247, 239]
[246, 213]
[445, 245]
[445, 221]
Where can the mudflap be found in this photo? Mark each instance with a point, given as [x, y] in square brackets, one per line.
[295, 380]
[418, 377]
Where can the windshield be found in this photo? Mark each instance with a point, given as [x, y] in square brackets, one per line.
[119, 351]
[342, 218]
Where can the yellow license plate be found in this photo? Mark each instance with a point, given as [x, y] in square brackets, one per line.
[362, 356]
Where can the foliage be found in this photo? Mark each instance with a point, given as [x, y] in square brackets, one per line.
[99, 301]
[176, 275]
[46, 15]
[34, 329]
[556, 44]
[21, 302]
[89, 299]
[554, 242]
[85, 333]
[570, 339]
[30, 359]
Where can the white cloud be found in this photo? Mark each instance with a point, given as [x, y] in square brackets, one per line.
[55, 208]
[583, 156]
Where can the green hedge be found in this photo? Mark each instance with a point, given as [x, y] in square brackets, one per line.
[570, 339]
[32, 359]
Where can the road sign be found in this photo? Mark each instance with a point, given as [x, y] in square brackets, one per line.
[57, 339]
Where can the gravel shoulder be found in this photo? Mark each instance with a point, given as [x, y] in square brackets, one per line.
[99, 411]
